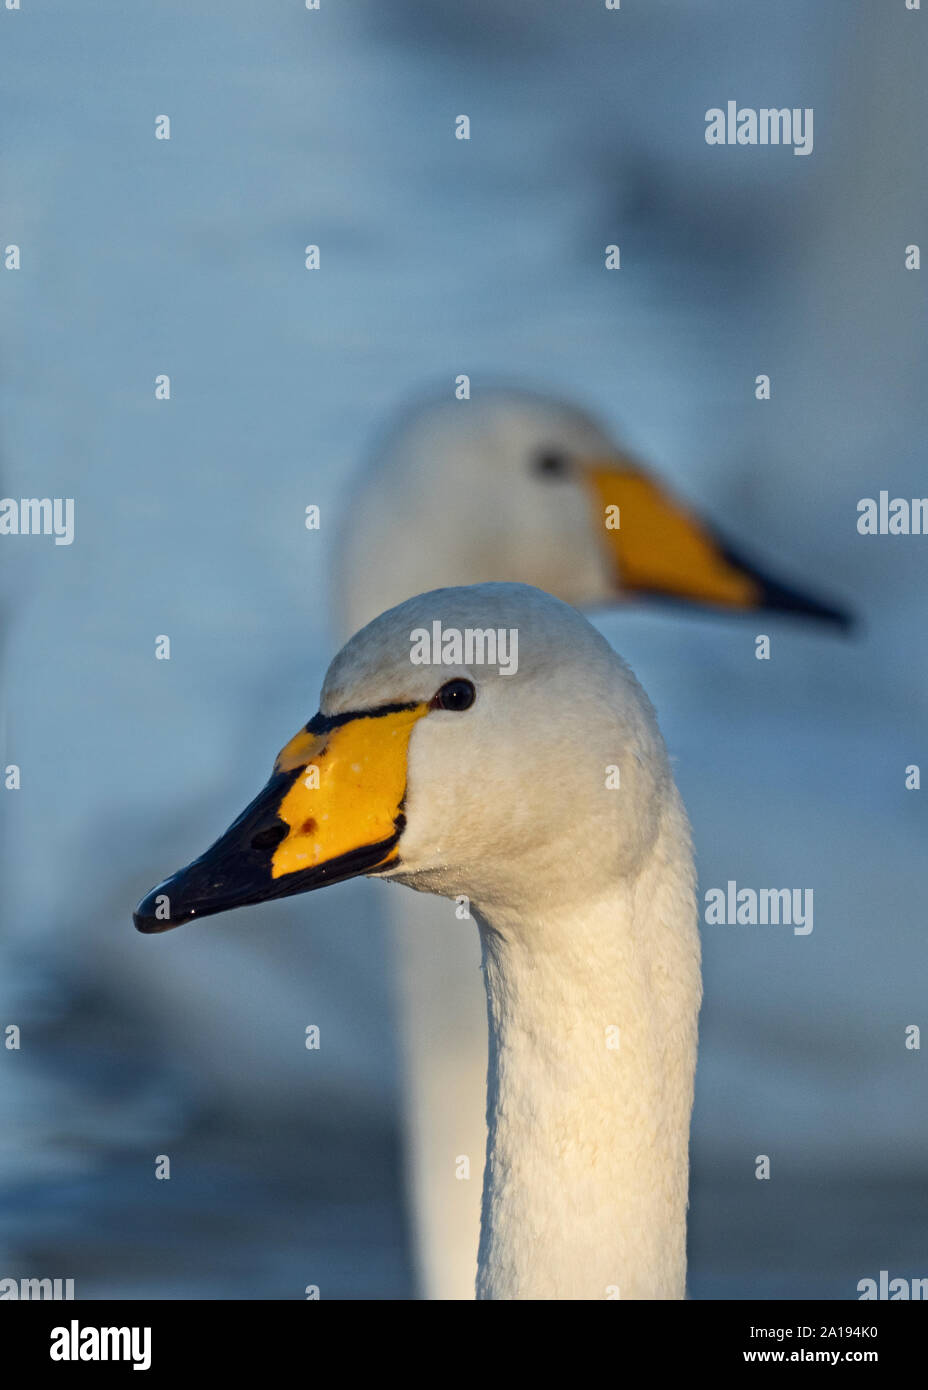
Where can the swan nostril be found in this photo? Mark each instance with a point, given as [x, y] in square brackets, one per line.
[270, 838]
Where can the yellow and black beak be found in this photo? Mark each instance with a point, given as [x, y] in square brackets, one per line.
[658, 546]
[333, 809]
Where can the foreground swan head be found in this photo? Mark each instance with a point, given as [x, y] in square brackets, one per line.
[526, 774]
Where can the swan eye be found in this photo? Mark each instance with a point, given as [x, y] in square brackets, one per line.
[456, 695]
[551, 463]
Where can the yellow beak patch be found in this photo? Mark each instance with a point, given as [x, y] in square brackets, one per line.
[659, 547]
[350, 793]
[332, 809]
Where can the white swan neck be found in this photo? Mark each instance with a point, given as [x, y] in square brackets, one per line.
[592, 1023]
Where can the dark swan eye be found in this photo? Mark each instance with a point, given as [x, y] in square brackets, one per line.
[551, 463]
[456, 695]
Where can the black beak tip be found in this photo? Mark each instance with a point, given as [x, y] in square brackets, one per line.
[844, 620]
[149, 918]
[780, 599]
[148, 925]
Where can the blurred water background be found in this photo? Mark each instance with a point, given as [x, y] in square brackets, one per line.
[142, 256]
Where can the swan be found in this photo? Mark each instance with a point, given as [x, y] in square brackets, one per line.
[512, 485]
[517, 486]
[499, 788]
[517, 470]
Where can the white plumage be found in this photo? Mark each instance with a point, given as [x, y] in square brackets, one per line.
[583, 894]
[461, 493]
[464, 492]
